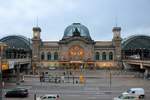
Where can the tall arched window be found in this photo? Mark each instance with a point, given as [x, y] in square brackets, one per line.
[104, 56]
[110, 56]
[48, 56]
[97, 55]
[42, 56]
[55, 56]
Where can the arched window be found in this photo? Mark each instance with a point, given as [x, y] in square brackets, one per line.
[104, 56]
[42, 56]
[48, 56]
[55, 56]
[97, 55]
[110, 56]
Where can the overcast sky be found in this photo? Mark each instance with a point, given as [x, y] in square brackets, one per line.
[99, 16]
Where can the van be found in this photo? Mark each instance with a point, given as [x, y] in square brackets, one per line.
[135, 91]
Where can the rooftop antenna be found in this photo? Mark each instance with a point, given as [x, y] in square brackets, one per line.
[116, 21]
[37, 21]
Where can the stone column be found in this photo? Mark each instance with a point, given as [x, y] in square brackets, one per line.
[45, 56]
[107, 55]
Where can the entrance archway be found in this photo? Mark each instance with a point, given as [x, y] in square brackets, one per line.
[76, 64]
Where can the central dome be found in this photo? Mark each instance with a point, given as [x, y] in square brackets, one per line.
[84, 32]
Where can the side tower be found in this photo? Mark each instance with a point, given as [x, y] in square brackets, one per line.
[36, 44]
[117, 44]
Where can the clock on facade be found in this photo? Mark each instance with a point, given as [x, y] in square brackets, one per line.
[36, 34]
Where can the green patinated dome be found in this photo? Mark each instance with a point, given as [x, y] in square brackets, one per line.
[83, 30]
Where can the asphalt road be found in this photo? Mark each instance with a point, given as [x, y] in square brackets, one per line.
[97, 88]
[86, 93]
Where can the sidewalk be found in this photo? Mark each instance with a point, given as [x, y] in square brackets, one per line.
[100, 77]
[9, 85]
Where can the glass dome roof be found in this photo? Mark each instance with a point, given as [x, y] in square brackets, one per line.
[84, 32]
[136, 42]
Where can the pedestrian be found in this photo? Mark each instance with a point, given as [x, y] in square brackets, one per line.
[64, 73]
[76, 81]
[55, 80]
[70, 73]
[62, 79]
[40, 78]
[3, 84]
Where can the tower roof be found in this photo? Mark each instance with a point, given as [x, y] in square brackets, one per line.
[36, 29]
[116, 29]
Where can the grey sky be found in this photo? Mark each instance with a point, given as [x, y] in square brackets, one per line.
[19, 16]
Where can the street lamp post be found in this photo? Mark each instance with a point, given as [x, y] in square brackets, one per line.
[68, 73]
[110, 77]
[2, 47]
[73, 78]
[1, 79]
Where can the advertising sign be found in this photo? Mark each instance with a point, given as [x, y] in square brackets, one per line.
[5, 66]
[11, 64]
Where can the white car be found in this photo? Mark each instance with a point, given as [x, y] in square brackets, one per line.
[126, 97]
[48, 97]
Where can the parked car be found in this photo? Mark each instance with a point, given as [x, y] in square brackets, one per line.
[135, 91]
[17, 92]
[126, 97]
[48, 97]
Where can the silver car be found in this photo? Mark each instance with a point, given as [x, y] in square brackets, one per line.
[126, 97]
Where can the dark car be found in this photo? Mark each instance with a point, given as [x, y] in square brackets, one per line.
[17, 92]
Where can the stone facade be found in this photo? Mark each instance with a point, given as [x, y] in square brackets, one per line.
[76, 50]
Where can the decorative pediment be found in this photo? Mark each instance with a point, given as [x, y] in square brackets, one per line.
[68, 40]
